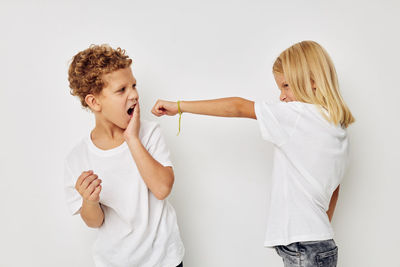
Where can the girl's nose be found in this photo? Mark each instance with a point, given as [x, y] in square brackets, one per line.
[282, 97]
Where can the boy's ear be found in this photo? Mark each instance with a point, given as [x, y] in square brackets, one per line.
[93, 102]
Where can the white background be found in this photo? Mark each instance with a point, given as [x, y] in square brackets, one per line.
[196, 50]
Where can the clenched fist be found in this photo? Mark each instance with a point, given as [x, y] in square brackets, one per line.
[88, 186]
[163, 107]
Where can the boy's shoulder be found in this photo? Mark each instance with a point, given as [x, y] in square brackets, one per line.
[76, 152]
[149, 130]
[146, 125]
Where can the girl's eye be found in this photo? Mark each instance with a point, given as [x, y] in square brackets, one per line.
[123, 89]
[286, 85]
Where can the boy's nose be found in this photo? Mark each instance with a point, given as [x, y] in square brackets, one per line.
[133, 94]
[133, 97]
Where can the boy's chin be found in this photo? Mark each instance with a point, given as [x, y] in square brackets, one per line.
[122, 124]
[126, 123]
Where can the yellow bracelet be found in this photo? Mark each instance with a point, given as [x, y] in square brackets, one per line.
[180, 116]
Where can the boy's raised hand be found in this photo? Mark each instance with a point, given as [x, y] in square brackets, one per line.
[132, 130]
[88, 186]
[163, 107]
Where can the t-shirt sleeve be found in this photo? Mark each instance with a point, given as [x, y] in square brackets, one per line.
[158, 148]
[277, 121]
[73, 198]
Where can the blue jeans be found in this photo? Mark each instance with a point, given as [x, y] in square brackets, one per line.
[309, 254]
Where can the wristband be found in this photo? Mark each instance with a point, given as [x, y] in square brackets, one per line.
[180, 116]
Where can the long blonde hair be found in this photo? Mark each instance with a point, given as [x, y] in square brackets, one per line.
[305, 64]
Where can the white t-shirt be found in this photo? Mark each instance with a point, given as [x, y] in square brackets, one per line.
[139, 229]
[310, 158]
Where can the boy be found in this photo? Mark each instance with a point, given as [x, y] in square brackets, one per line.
[118, 177]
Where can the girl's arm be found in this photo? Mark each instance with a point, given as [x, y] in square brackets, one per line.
[332, 204]
[222, 107]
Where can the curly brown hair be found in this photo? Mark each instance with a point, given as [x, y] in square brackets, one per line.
[88, 66]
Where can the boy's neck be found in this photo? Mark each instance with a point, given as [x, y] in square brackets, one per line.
[105, 130]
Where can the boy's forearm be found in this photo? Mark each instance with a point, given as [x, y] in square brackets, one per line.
[92, 214]
[332, 204]
[222, 107]
[159, 179]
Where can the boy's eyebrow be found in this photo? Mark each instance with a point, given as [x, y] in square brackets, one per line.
[123, 85]
[119, 86]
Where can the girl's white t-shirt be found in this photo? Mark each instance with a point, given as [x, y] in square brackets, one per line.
[138, 229]
[310, 158]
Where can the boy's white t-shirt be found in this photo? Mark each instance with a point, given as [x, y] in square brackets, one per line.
[310, 156]
[138, 229]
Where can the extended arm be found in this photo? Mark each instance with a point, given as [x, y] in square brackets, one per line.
[222, 107]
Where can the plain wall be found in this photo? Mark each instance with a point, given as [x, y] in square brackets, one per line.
[196, 50]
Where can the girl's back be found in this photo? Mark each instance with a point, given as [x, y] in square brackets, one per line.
[309, 161]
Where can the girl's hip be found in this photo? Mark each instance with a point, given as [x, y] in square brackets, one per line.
[308, 254]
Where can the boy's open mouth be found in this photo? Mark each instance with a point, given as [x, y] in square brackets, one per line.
[131, 109]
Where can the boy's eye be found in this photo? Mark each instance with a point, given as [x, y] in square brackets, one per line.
[134, 85]
[123, 89]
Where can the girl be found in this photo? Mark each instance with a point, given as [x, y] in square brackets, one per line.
[308, 130]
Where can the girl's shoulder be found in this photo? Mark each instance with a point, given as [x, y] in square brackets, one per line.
[284, 107]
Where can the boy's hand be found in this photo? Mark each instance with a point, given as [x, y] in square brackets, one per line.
[132, 130]
[88, 186]
[163, 107]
